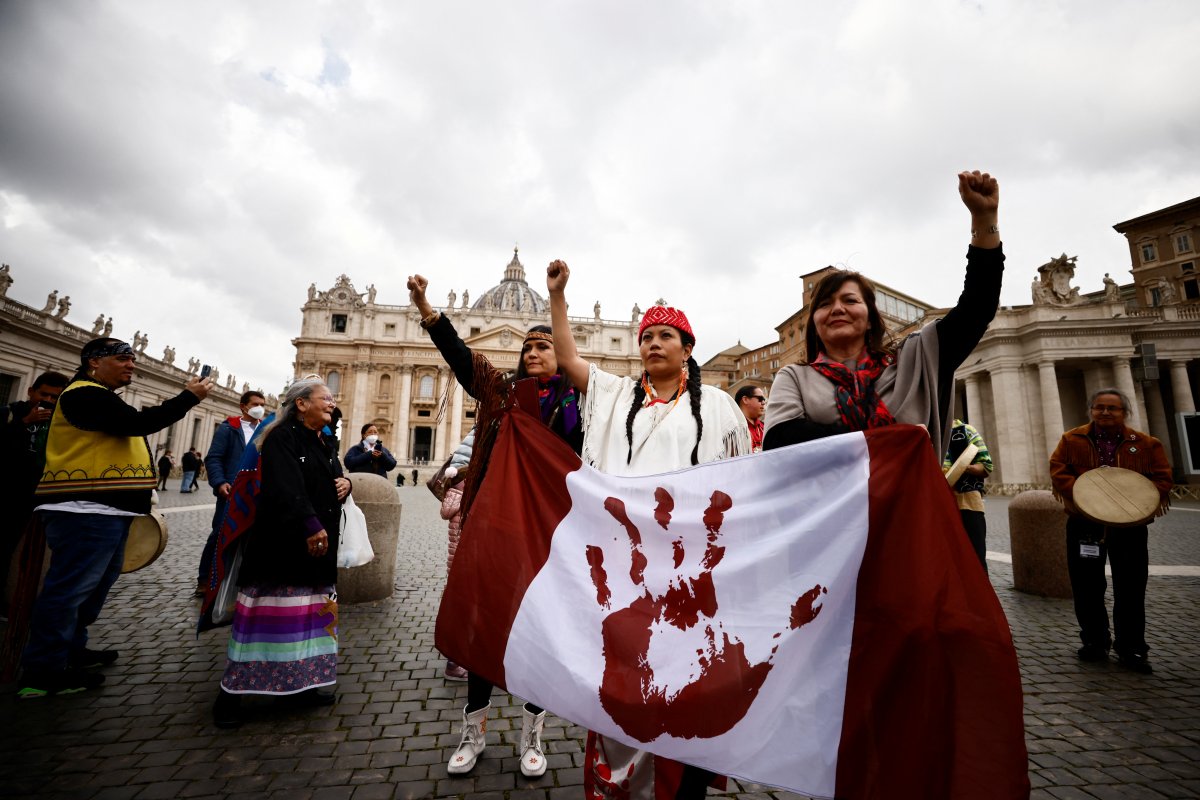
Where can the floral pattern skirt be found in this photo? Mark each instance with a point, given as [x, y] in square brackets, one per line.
[284, 640]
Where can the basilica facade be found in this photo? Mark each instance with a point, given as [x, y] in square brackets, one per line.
[383, 369]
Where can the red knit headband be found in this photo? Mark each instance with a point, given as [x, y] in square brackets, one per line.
[665, 315]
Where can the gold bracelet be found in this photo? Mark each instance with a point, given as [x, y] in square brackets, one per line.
[427, 322]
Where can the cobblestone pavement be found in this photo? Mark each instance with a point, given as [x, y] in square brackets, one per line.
[1094, 730]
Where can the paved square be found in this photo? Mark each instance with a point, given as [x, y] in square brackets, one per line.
[1094, 730]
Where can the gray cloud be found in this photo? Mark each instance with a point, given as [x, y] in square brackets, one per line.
[191, 169]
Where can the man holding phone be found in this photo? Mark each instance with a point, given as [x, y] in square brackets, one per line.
[23, 429]
[370, 455]
[99, 475]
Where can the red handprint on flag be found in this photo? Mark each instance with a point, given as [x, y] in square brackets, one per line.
[726, 683]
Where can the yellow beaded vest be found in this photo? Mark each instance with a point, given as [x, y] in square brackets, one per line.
[79, 461]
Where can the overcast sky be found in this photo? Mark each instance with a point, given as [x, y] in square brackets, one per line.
[189, 168]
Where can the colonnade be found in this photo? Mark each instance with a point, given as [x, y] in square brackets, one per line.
[1022, 417]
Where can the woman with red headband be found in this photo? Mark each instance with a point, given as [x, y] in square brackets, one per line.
[662, 421]
[491, 389]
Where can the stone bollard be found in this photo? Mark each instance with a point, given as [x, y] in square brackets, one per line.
[1037, 529]
[377, 498]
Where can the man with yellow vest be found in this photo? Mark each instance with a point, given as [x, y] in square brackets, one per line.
[99, 475]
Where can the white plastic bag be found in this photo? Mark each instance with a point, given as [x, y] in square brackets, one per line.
[354, 548]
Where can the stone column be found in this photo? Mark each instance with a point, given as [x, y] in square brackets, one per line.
[1011, 423]
[1156, 417]
[440, 453]
[974, 400]
[1123, 379]
[1052, 418]
[1181, 389]
[456, 410]
[358, 405]
[402, 423]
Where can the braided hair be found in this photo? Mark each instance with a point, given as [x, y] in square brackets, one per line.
[693, 390]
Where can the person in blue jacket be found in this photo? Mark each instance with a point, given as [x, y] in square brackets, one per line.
[221, 463]
[369, 455]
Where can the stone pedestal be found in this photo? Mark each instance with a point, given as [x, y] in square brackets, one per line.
[380, 504]
[1038, 536]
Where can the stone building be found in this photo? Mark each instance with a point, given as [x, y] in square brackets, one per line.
[383, 369]
[35, 340]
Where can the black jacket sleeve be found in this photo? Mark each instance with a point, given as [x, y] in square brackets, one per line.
[92, 408]
[456, 353]
[798, 430]
[962, 328]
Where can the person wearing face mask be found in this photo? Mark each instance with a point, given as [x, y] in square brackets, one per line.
[370, 455]
[221, 464]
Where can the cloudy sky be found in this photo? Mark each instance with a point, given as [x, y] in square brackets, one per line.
[189, 168]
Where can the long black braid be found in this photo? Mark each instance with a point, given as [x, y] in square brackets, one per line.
[693, 390]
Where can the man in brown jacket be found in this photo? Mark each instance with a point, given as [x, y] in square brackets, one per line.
[1107, 442]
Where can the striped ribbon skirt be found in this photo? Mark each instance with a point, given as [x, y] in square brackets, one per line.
[284, 640]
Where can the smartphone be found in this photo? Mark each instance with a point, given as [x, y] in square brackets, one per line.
[204, 371]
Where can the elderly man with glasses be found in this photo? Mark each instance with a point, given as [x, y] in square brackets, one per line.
[752, 400]
[1107, 441]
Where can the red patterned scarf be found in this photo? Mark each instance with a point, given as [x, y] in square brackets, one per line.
[858, 404]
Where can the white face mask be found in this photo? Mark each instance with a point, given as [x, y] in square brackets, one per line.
[372, 439]
[257, 412]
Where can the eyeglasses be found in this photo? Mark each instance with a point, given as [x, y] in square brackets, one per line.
[1108, 409]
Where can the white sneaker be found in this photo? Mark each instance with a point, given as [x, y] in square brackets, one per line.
[533, 760]
[470, 747]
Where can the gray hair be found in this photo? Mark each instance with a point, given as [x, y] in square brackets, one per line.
[1125, 404]
[300, 389]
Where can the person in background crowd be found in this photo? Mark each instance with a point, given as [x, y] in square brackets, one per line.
[969, 489]
[370, 455]
[199, 469]
[1106, 441]
[287, 601]
[753, 404]
[99, 475]
[190, 465]
[166, 463]
[221, 463]
[414, 477]
[24, 426]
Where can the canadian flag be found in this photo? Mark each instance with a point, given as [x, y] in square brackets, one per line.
[810, 618]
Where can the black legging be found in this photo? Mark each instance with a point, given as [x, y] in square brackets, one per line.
[479, 694]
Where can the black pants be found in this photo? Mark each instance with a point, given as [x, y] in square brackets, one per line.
[975, 523]
[1125, 550]
[479, 694]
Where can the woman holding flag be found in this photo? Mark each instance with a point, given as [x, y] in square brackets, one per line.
[854, 379]
[663, 421]
[492, 389]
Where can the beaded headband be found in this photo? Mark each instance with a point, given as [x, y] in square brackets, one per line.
[665, 315]
[541, 335]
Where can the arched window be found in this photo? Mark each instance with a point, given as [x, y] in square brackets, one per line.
[334, 382]
[385, 385]
[425, 388]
